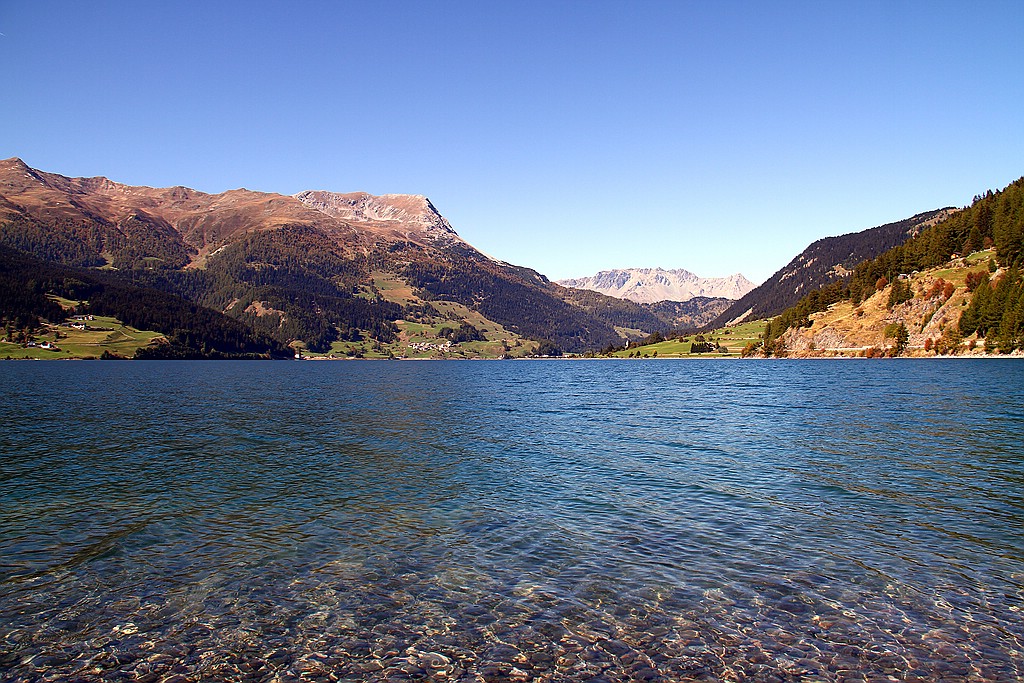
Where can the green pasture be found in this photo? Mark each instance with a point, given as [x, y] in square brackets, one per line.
[976, 262]
[732, 338]
[103, 334]
[980, 257]
[394, 289]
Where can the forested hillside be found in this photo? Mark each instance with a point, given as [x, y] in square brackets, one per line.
[519, 299]
[694, 314]
[293, 283]
[28, 285]
[825, 261]
[996, 307]
[299, 269]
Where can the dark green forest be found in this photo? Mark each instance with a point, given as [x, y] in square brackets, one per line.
[619, 312]
[296, 271]
[312, 289]
[139, 241]
[24, 284]
[192, 331]
[66, 241]
[521, 301]
[690, 315]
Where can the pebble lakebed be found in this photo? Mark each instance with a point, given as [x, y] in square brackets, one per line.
[513, 521]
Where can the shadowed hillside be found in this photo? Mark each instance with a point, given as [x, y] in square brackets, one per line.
[826, 260]
[973, 258]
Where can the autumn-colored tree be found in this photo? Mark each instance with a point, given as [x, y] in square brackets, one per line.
[974, 279]
[750, 349]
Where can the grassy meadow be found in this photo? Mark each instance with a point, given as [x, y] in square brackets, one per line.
[418, 338]
[102, 334]
[733, 339]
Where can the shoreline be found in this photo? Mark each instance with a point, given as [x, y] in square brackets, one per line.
[1015, 355]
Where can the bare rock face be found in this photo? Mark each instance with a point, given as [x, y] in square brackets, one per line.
[402, 214]
[650, 285]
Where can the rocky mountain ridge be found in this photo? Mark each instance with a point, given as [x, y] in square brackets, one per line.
[409, 217]
[201, 223]
[652, 285]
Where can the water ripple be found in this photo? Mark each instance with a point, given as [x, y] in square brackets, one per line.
[512, 521]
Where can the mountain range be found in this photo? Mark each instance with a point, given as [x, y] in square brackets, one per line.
[651, 285]
[317, 268]
[257, 274]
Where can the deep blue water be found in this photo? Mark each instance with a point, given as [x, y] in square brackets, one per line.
[591, 520]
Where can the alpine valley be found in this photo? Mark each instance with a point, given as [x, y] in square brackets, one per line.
[94, 268]
[246, 273]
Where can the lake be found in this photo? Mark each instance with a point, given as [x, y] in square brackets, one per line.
[517, 520]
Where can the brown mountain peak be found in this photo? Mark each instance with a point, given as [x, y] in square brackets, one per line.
[15, 170]
[14, 163]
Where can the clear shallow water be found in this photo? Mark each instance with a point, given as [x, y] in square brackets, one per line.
[659, 520]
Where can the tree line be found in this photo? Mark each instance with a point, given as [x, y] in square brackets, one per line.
[191, 330]
[307, 282]
[814, 268]
[994, 219]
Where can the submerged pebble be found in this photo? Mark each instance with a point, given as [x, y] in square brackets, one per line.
[545, 522]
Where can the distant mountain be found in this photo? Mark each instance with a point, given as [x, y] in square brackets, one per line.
[316, 269]
[650, 285]
[826, 260]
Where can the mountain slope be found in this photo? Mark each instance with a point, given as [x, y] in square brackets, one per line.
[692, 314]
[298, 268]
[120, 222]
[651, 285]
[824, 261]
[931, 316]
[28, 285]
[926, 287]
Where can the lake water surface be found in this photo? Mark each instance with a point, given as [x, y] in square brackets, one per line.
[591, 520]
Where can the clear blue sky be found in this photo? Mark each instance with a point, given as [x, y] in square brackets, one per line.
[565, 136]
